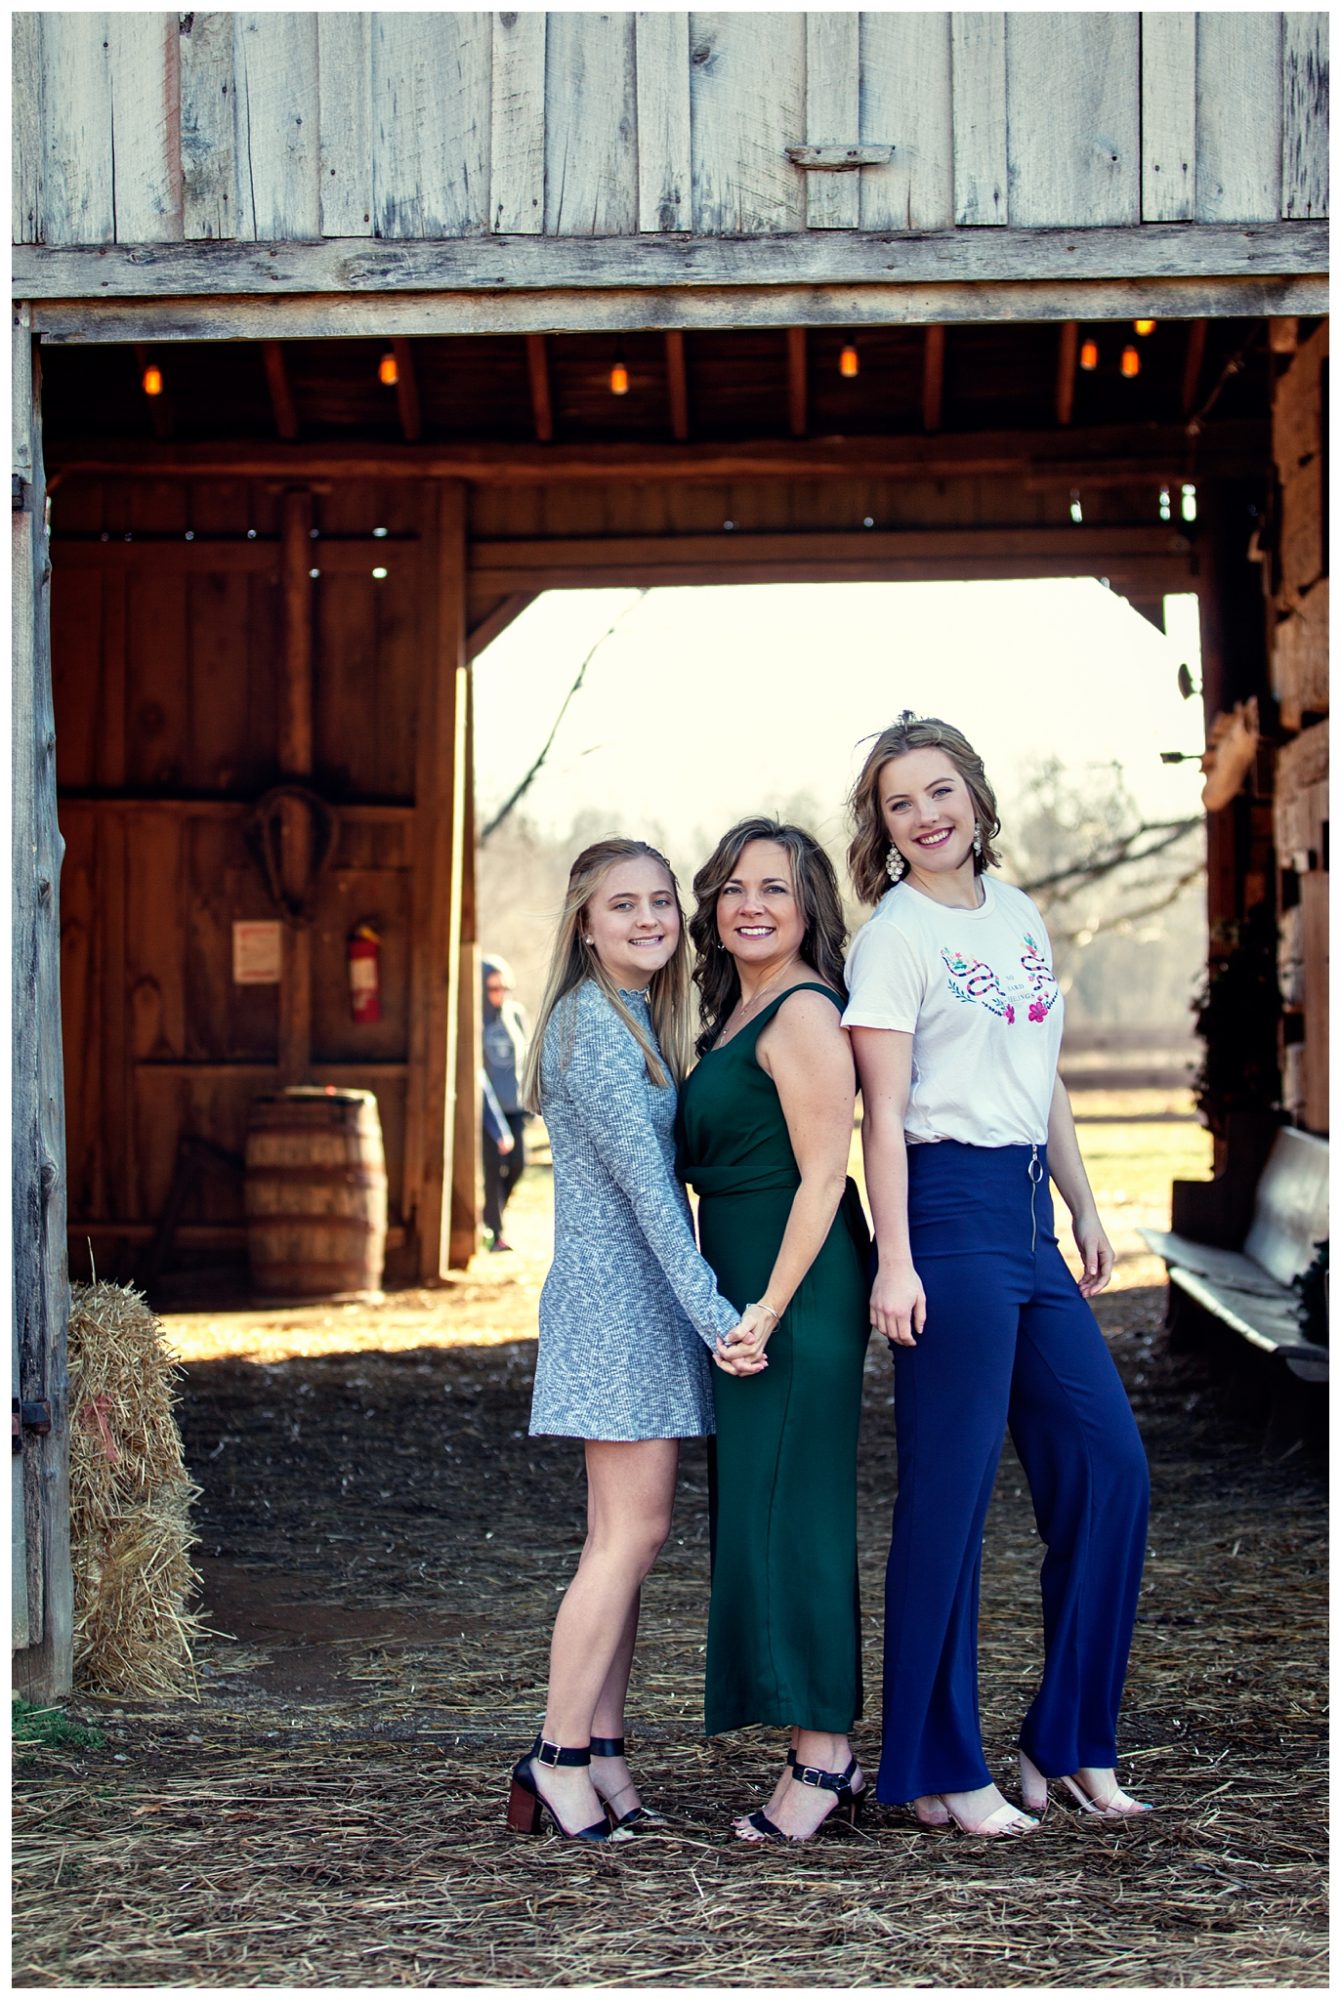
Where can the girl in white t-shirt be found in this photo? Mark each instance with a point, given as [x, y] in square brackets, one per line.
[956, 1024]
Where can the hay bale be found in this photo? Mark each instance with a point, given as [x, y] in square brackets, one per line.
[130, 1501]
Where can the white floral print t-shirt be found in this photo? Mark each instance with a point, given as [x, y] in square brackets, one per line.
[974, 989]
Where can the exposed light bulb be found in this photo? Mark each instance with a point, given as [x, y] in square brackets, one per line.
[849, 362]
[1131, 363]
[388, 371]
[619, 377]
[1144, 326]
[152, 381]
[1089, 355]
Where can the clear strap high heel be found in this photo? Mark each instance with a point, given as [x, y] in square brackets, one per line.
[639, 1815]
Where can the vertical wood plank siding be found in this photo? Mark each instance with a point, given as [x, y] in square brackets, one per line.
[833, 114]
[747, 105]
[276, 104]
[1238, 117]
[517, 142]
[147, 127]
[591, 116]
[905, 102]
[344, 114]
[1168, 117]
[1304, 175]
[78, 156]
[664, 160]
[25, 100]
[1073, 105]
[208, 129]
[146, 131]
[981, 150]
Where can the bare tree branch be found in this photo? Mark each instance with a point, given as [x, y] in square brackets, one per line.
[1122, 853]
[519, 792]
[1118, 917]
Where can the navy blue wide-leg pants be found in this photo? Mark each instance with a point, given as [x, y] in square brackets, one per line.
[1008, 1339]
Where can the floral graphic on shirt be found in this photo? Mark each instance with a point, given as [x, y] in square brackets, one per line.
[977, 984]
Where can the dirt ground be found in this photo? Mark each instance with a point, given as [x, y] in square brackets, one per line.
[382, 1548]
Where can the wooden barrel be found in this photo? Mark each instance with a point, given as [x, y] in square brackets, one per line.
[315, 1193]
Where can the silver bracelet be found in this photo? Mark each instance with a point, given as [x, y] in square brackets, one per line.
[762, 1305]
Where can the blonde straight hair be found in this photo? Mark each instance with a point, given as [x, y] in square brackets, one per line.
[573, 960]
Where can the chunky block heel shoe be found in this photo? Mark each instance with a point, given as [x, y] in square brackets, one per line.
[639, 1815]
[846, 1807]
[527, 1805]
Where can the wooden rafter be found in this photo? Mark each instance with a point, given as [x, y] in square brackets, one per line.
[677, 386]
[1109, 453]
[542, 403]
[281, 393]
[933, 377]
[1068, 346]
[1196, 351]
[796, 381]
[407, 392]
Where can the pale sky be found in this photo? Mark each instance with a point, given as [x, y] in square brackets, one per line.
[708, 704]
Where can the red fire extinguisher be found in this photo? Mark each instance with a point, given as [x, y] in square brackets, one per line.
[363, 955]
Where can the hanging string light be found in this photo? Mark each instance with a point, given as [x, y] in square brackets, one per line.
[152, 380]
[1144, 326]
[849, 362]
[388, 371]
[619, 376]
[1131, 363]
[1089, 356]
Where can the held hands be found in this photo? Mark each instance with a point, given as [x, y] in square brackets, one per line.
[898, 1304]
[1095, 1250]
[742, 1351]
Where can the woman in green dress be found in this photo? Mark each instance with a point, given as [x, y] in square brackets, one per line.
[765, 1127]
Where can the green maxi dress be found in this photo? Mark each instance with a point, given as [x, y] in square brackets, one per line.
[784, 1636]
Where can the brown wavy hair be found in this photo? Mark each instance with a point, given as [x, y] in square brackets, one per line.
[573, 960]
[869, 850]
[816, 887]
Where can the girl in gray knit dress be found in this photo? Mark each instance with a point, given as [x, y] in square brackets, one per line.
[630, 1316]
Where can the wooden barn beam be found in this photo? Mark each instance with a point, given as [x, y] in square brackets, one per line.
[281, 393]
[542, 402]
[933, 377]
[665, 264]
[438, 893]
[797, 414]
[407, 392]
[463, 1235]
[1196, 354]
[42, 1594]
[486, 629]
[295, 743]
[1112, 453]
[1068, 346]
[677, 386]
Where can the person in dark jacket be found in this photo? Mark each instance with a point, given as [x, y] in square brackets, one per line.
[506, 1041]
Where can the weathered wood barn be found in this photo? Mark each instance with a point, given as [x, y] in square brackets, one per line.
[339, 336]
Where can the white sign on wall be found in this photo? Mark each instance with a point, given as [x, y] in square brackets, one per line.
[257, 949]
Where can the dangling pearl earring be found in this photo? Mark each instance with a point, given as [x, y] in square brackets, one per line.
[977, 840]
[895, 865]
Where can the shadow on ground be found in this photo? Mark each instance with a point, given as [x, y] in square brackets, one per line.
[382, 1549]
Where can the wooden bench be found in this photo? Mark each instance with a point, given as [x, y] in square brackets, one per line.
[1250, 1288]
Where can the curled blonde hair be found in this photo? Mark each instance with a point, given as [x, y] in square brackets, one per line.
[573, 960]
[869, 849]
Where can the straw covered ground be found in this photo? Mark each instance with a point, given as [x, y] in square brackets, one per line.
[384, 1548]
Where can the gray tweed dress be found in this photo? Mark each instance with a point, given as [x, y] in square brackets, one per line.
[630, 1311]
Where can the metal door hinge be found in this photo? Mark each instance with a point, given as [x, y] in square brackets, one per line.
[35, 1417]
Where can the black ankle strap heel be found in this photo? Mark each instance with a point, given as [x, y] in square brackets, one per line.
[527, 1806]
[613, 1746]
